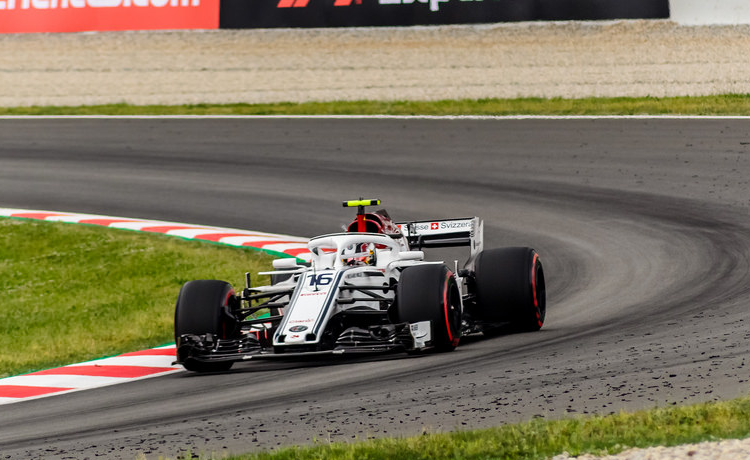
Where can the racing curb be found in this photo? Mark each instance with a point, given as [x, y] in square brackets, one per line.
[140, 364]
[90, 374]
[272, 243]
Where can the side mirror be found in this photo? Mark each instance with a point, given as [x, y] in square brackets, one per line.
[411, 255]
[285, 264]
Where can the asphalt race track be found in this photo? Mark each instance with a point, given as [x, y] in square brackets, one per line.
[643, 226]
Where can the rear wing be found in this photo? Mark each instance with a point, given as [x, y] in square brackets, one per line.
[445, 233]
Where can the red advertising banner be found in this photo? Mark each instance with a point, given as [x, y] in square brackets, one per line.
[106, 15]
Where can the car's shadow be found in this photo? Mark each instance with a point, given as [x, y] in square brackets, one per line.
[278, 363]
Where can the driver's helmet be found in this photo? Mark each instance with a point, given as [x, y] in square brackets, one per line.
[359, 254]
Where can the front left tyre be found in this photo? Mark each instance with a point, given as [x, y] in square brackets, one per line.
[202, 308]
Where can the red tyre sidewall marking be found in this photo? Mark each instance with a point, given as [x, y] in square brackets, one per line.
[453, 340]
[223, 323]
[533, 288]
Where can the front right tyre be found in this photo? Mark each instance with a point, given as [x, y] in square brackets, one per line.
[430, 293]
[200, 309]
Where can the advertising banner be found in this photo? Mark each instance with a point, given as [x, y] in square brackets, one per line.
[106, 15]
[351, 13]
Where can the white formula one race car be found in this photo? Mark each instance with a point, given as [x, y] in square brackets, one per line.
[366, 290]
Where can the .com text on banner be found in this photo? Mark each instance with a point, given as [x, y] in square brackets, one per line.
[18, 16]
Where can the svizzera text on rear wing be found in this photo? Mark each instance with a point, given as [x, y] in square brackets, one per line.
[444, 233]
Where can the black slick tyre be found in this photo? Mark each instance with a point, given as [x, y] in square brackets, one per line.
[200, 310]
[430, 293]
[510, 288]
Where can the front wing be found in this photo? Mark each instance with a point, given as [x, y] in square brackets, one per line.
[389, 338]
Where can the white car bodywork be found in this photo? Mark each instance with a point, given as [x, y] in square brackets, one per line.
[346, 269]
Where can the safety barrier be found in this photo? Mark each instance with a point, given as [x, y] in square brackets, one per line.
[348, 13]
[104, 15]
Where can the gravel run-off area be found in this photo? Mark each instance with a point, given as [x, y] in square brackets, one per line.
[571, 60]
[722, 450]
[565, 59]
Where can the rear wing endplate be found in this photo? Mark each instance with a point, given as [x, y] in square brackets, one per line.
[445, 233]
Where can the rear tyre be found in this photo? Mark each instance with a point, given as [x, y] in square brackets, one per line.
[430, 293]
[510, 288]
[200, 310]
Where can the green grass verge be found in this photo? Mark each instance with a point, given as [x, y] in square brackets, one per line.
[732, 104]
[542, 439]
[75, 292]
